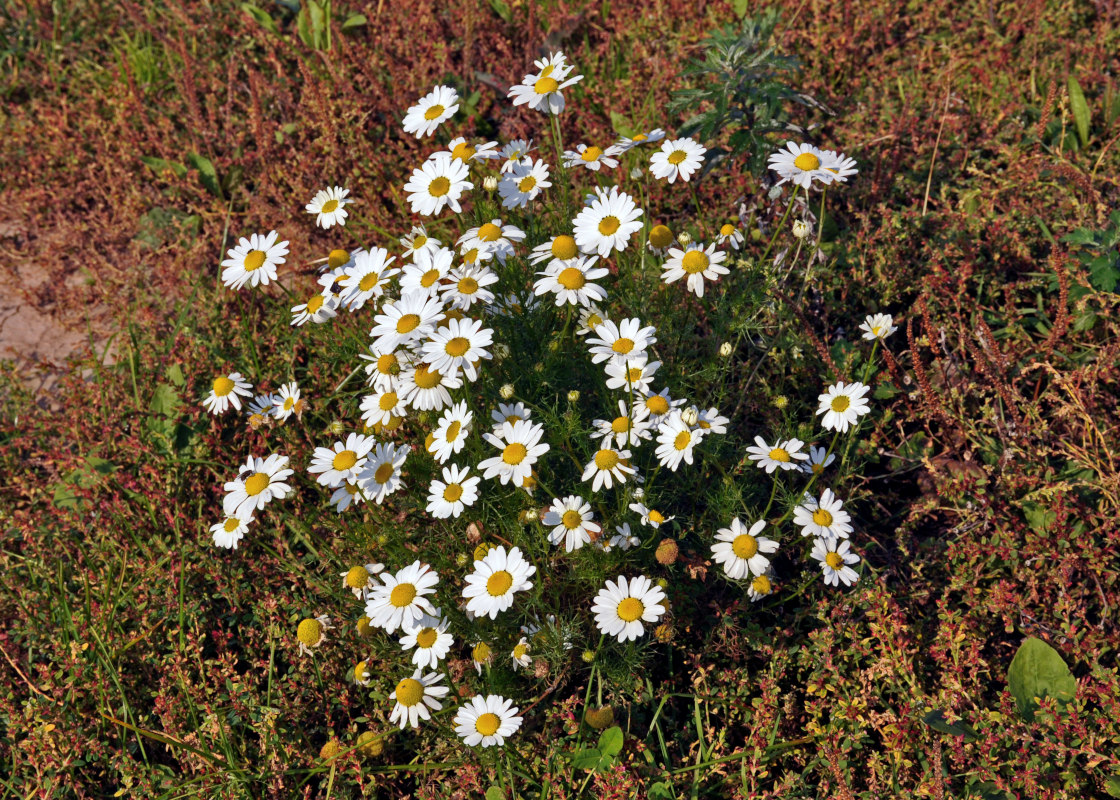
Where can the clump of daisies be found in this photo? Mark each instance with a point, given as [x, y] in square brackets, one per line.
[521, 399]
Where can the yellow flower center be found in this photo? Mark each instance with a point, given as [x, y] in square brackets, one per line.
[609, 224]
[429, 277]
[402, 595]
[779, 454]
[453, 492]
[834, 560]
[388, 364]
[330, 206]
[383, 473]
[520, 650]
[572, 519]
[256, 483]
[356, 578]
[571, 278]
[453, 430]
[807, 162]
[314, 303]
[657, 404]
[232, 524]
[368, 281]
[254, 260]
[288, 403]
[514, 453]
[694, 261]
[727, 230]
[310, 632]
[630, 609]
[606, 459]
[677, 156]
[840, 403]
[761, 584]
[622, 345]
[481, 551]
[439, 187]
[641, 137]
[875, 330]
[656, 516]
[591, 154]
[470, 256]
[499, 583]
[387, 402]
[336, 258]
[594, 321]
[433, 112]
[634, 374]
[408, 323]
[822, 517]
[426, 638]
[620, 425]
[481, 652]
[223, 386]
[345, 460]
[526, 184]
[426, 378]
[818, 469]
[410, 692]
[545, 85]
[683, 440]
[487, 724]
[467, 286]
[744, 545]
[457, 346]
[660, 236]
[564, 247]
[419, 242]
[462, 151]
[489, 232]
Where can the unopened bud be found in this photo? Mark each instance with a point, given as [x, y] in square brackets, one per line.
[336, 428]
[506, 391]
[636, 173]
[725, 349]
[690, 416]
[780, 402]
[588, 656]
[573, 396]
[490, 183]
[800, 228]
[683, 239]
[501, 351]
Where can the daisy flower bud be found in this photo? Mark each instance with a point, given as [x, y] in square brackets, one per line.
[588, 656]
[501, 351]
[506, 391]
[573, 396]
[684, 239]
[490, 183]
[336, 428]
[690, 416]
[800, 228]
[461, 560]
[780, 402]
[725, 349]
[636, 173]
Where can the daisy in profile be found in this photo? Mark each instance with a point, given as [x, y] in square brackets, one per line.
[634, 376]
[226, 391]
[430, 638]
[780, 455]
[741, 552]
[621, 607]
[311, 632]
[801, 164]
[481, 654]
[410, 319]
[761, 586]
[695, 264]
[496, 238]
[650, 516]
[660, 239]
[415, 696]
[318, 309]
[367, 277]
[259, 481]
[434, 108]
[230, 531]
[591, 157]
[520, 654]
[843, 405]
[570, 281]
[542, 92]
[286, 402]
[260, 410]
[571, 521]
[511, 413]
[359, 579]
[835, 556]
[496, 578]
[418, 241]
[590, 318]
[607, 223]
[819, 458]
[520, 446]
[461, 345]
[623, 539]
[401, 599]
[630, 142]
[439, 182]
[382, 473]
[330, 206]
[381, 407]
[425, 388]
[523, 183]
[254, 260]
[607, 467]
[838, 164]
[341, 462]
[486, 721]
[878, 326]
[711, 420]
[424, 274]
[629, 428]
[345, 496]
[450, 434]
[467, 286]
[451, 496]
[676, 441]
[622, 342]
[515, 152]
[557, 250]
[677, 158]
[459, 148]
[825, 517]
[730, 236]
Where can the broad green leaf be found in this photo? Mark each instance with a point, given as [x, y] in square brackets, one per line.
[1038, 671]
[1039, 517]
[1112, 786]
[303, 27]
[740, 7]
[175, 375]
[1080, 110]
[621, 124]
[588, 759]
[206, 172]
[936, 720]
[495, 793]
[165, 400]
[261, 16]
[660, 791]
[611, 741]
[159, 165]
[502, 10]
[354, 21]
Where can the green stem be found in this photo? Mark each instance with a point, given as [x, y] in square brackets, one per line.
[781, 224]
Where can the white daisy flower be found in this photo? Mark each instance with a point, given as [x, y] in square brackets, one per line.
[418, 241]
[592, 157]
[523, 183]
[359, 579]
[481, 654]
[254, 260]
[760, 587]
[838, 164]
[261, 405]
[515, 152]
[496, 577]
[571, 280]
[496, 238]
[835, 556]
[340, 463]
[650, 516]
[633, 376]
[677, 158]
[425, 388]
[451, 496]
[623, 539]
[621, 607]
[800, 163]
[590, 318]
[511, 413]
[620, 342]
[843, 405]
[415, 696]
[694, 264]
[660, 239]
[330, 206]
[780, 455]
[711, 421]
[606, 467]
[740, 551]
[450, 435]
[230, 531]
[400, 599]
[731, 236]
[382, 474]
[286, 401]
[676, 441]
[434, 108]
[459, 148]
[440, 181]
[346, 495]
[520, 446]
[878, 326]
[384, 368]
[468, 286]
[408, 320]
[486, 721]
[659, 405]
[543, 91]
[819, 458]
[555, 65]
[383, 406]
[520, 654]
[318, 309]
[558, 249]
[367, 277]
[572, 518]
[424, 274]
[630, 427]
[825, 517]
[630, 142]
[429, 636]
[259, 481]
[607, 224]
[461, 345]
[226, 391]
